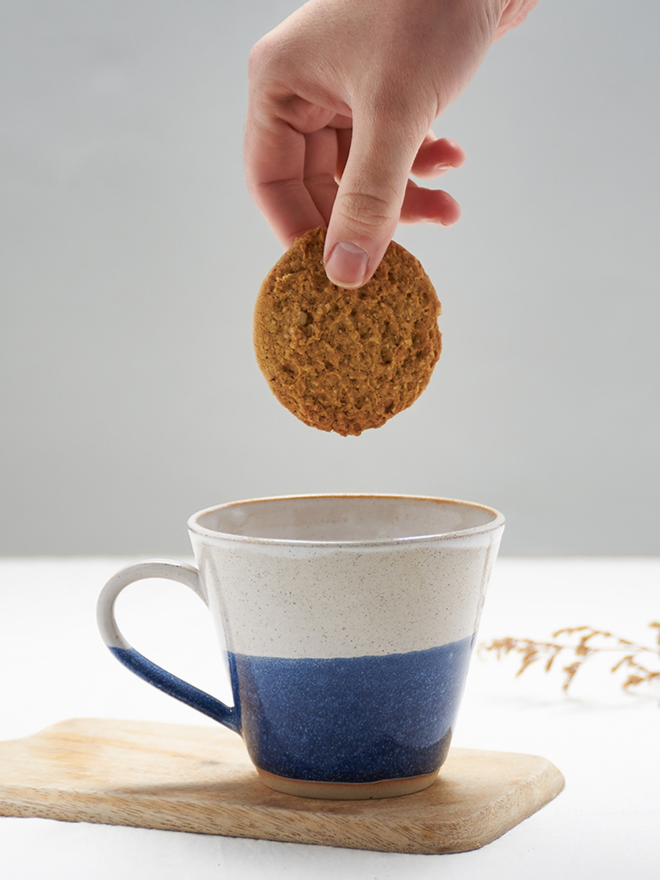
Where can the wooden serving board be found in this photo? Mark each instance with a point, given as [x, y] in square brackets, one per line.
[200, 779]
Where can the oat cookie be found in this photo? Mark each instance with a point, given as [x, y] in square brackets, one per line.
[346, 360]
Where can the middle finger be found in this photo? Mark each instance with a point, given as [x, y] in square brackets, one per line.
[320, 167]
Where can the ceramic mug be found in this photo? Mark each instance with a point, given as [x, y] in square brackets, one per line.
[348, 622]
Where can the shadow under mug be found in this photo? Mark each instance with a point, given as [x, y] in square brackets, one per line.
[348, 622]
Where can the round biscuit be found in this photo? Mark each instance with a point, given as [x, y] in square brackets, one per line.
[346, 360]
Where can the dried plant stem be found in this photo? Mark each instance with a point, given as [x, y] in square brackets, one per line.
[578, 644]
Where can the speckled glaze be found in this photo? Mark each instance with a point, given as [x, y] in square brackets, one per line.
[348, 621]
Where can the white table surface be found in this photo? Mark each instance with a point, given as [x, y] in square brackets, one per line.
[606, 823]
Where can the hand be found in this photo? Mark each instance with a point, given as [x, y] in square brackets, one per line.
[342, 96]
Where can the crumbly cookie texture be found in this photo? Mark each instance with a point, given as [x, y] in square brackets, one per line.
[346, 360]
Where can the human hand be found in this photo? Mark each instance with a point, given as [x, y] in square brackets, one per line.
[342, 97]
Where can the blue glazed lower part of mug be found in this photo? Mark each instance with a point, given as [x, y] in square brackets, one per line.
[350, 720]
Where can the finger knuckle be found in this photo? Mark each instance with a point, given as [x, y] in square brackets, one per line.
[263, 56]
[366, 211]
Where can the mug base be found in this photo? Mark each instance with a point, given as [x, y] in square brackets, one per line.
[347, 791]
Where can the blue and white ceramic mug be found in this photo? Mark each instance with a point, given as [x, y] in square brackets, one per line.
[348, 621]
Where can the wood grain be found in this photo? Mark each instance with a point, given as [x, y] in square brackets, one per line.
[199, 779]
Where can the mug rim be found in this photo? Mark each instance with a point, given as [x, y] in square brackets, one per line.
[194, 526]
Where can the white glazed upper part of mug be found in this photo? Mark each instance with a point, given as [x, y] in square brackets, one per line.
[344, 519]
[346, 575]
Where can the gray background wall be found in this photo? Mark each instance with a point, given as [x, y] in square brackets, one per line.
[131, 256]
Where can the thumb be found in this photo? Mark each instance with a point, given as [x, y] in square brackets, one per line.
[368, 202]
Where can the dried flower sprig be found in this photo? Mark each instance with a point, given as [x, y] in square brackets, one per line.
[579, 643]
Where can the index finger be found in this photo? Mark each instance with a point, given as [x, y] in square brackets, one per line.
[274, 158]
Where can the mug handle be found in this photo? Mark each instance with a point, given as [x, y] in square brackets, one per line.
[141, 665]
